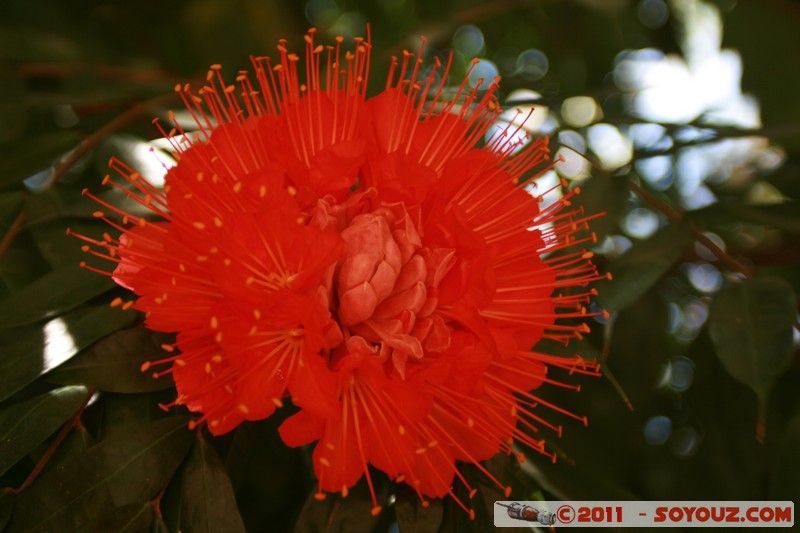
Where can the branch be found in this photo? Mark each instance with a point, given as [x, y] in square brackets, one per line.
[677, 216]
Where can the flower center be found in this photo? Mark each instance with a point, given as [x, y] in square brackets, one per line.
[385, 285]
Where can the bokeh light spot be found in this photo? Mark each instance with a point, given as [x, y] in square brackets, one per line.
[322, 13]
[640, 223]
[469, 41]
[532, 64]
[653, 13]
[657, 430]
[705, 277]
[580, 111]
[684, 442]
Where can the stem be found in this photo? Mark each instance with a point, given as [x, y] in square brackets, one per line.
[115, 124]
[12, 232]
[87, 144]
[677, 216]
[156, 503]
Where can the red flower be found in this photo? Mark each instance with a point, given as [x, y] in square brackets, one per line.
[369, 258]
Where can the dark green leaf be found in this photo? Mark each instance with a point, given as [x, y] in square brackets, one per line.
[60, 290]
[42, 349]
[25, 425]
[131, 518]
[270, 492]
[751, 327]
[6, 508]
[170, 504]
[636, 271]
[62, 201]
[780, 216]
[159, 526]
[31, 157]
[412, 515]
[758, 31]
[639, 347]
[208, 502]
[121, 412]
[579, 482]
[603, 193]
[786, 469]
[336, 514]
[67, 201]
[77, 442]
[10, 204]
[125, 470]
[114, 363]
[61, 251]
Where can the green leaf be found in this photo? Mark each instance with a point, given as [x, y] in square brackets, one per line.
[68, 201]
[120, 412]
[31, 157]
[208, 502]
[757, 30]
[412, 516]
[6, 508]
[636, 271]
[751, 328]
[336, 514]
[270, 493]
[114, 363]
[121, 471]
[579, 481]
[10, 205]
[131, 518]
[781, 216]
[159, 526]
[25, 425]
[54, 293]
[603, 193]
[785, 483]
[40, 350]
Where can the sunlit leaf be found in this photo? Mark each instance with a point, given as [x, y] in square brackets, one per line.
[751, 327]
[125, 470]
[25, 425]
[208, 502]
[636, 271]
[58, 291]
[43, 348]
[114, 363]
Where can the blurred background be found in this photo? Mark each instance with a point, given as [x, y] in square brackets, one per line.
[678, 119]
